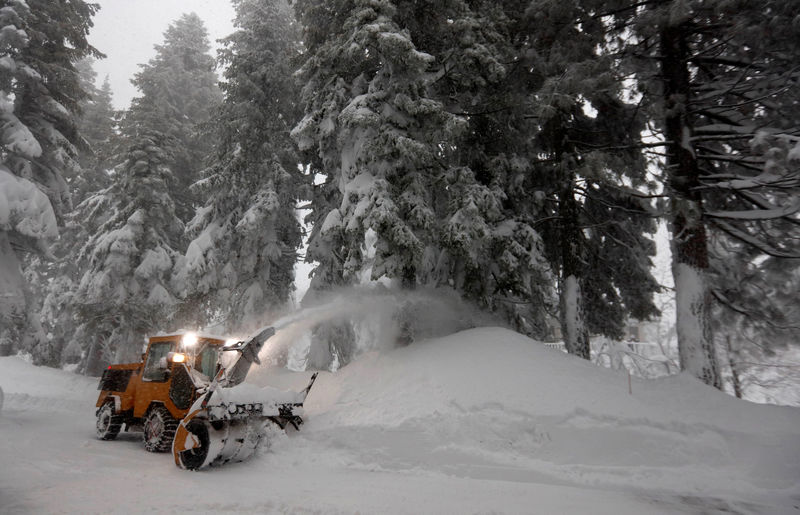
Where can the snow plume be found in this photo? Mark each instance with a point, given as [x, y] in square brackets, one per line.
[381, 319]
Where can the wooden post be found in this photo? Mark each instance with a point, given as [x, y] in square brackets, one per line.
[630, 385]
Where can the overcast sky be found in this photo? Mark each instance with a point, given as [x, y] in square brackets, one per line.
[127, 30]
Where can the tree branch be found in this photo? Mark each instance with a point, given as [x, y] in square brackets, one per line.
[752, 241]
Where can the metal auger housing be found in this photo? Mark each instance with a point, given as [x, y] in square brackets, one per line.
[217, 431]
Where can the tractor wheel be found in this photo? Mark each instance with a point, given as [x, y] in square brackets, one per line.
[193, 459]
[108, 422]
[159, 429]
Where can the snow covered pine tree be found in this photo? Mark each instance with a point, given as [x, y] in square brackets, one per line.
[240, 262]
[125, 289]
[721, 97]
[40, 42]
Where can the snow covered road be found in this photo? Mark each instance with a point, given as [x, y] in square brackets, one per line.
[485, 421]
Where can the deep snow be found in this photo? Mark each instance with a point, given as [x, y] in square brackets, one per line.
[484, 421]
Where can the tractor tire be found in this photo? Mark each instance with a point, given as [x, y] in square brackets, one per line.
[159, 429]
[108, 422]
[193, 459]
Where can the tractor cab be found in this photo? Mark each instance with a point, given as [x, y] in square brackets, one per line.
[199, 354]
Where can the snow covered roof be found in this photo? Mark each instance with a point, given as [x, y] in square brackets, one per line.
[200, 336]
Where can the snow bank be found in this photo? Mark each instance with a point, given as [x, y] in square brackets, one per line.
[40, 388]
[493, 367]
[490, 403]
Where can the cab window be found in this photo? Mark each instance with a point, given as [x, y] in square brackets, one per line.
[207, 362]
[152, 370]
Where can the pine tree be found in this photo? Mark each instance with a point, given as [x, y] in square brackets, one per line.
[596, 222]
[43, 43]
[376, 135]
[40, 42]
[388, 88]
[387, 133]
[54, 281]
[125, 289]
[489, 250]
[722, 101]
[239, 265]
[755, 313]
[321, 23]
[97, 125]
[124, 292]
[178, 94]
[519, 201]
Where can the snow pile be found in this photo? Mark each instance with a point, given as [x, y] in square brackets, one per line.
[492, 404]
[483, 421]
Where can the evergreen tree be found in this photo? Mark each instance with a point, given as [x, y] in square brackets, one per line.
[97, 125]
[755, 314]
[722, 98]
[383, 133]
[43, 41]
[489, 250]
[124, 292]
[376, 135]
[387, 94]
[589, 172]
[54, 281]
[40, 42]
[125, 288]
[179, 92]
[321, 22]
[239, 265]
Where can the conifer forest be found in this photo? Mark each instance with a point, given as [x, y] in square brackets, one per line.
[517, 159]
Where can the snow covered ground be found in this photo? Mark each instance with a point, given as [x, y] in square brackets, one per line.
[484, 421]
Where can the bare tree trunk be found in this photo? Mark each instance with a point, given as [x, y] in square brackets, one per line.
[12, 298]
[689, 240]
[737, 383]
[573, 326]
[576, 337]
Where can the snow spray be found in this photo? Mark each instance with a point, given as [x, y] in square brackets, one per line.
[380, 319]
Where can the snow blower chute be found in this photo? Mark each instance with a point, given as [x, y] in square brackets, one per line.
[187, 395]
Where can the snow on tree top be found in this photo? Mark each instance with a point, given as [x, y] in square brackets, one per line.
[332, 221]
[7, 63]
[154, 263]
[24, 208]
[16, 136]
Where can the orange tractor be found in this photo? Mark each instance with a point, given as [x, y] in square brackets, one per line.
[186, 396]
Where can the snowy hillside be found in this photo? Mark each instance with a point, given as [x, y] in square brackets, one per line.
[484, 421]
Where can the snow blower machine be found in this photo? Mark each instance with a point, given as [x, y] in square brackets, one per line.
[187, 395]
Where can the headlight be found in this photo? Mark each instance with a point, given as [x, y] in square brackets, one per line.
[177, 357]
[189, 339]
